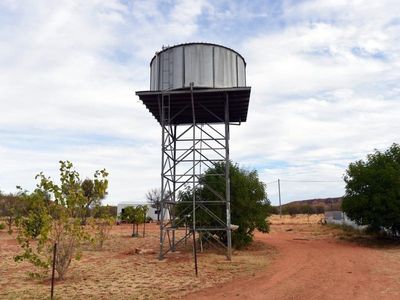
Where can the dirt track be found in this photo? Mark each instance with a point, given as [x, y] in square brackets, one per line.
[316, 268]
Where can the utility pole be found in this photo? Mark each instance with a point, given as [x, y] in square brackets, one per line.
[280, 203]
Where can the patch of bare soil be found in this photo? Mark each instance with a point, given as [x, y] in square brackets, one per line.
[315, 262]
[120, 272]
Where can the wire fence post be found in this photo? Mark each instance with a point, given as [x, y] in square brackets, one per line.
[144, 224]
[195, 253]
[52, 271]
[280, 202]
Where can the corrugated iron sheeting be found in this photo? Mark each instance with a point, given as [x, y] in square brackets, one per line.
[204, 65]
[212, 99]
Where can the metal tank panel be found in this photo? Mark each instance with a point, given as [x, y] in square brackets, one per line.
[206, 65]
[198, 66]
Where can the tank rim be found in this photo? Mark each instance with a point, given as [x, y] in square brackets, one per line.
[197, 43]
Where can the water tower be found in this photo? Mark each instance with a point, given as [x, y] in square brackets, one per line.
[197, 90]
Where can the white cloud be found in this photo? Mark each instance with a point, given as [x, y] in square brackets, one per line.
[68, 76]
[324, 88]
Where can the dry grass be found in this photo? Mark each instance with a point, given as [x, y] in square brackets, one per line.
[116, 272]
[309, 231]
[297, 219]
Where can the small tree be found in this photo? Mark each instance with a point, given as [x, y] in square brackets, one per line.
[58, 220]
[291, 210]
[11, 206]
[128, 215]
[34, 231]
[373, 191]
[308, 210]
[154, 197]
[94, 191]
[142, 211]
[101, 228]
[319, 209]
[135, 216]
[101, 223]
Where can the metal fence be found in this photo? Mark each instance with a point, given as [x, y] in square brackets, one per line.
[340, 218]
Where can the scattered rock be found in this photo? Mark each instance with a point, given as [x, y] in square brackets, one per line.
[144, 251]
[234, 227]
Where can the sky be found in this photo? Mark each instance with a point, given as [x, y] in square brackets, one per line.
[324, 75]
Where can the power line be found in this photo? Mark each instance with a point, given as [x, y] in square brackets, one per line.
[272, 182]
[278, 181]
[312, 180]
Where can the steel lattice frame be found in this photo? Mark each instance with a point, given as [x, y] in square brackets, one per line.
[187, 151]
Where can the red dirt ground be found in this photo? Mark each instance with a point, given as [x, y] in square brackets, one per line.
[316, 267]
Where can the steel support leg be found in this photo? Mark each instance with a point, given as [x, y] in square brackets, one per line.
[227, 182]
[162, 204]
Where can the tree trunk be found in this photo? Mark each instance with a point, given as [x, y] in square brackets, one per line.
[9, 223]
[144, 225]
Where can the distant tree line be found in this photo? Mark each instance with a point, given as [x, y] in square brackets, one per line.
[15, 205]
[296, 209]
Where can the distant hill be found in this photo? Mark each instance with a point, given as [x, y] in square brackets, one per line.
[327, 203]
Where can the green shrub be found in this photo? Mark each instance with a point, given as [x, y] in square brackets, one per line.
[250, 207]
[373, 191]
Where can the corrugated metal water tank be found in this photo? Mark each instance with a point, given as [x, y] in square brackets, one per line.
[206, 65]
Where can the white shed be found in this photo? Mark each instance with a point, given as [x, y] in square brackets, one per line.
[340, 218]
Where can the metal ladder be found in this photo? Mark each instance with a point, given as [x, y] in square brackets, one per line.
[167, 70]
